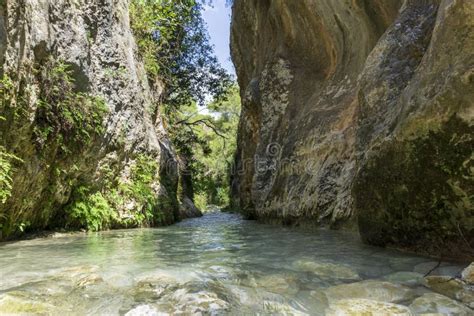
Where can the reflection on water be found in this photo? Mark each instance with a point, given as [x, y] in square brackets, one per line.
[217, 264]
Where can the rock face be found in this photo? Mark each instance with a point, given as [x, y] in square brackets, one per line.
[358, 114]
[129, 154]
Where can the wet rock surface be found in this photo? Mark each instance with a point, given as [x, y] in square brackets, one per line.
[366, 307]
[371, 289]
[432, 303]
[358, 115]
[94, 44]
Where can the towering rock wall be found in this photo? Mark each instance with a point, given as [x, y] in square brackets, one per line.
[358, 114]
[120, 161]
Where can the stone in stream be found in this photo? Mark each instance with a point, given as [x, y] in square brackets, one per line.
[436, 303]
[77, 272]
[405, 278]
[185, 301]
[144, 310]
[91, 279]
[278, 283]
[372, 290]
[20, 303]
[434, 268]
[451, 287]
[252, 300]
[276, 308]
[326, 270]
[365, 307]
[152, 285]
[468, 274]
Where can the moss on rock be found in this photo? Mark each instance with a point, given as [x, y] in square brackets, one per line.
[417, 192]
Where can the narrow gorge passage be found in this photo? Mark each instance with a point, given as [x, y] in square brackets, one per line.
[237, 157]
[216, 264]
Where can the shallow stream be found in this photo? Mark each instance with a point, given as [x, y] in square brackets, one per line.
[217, 264]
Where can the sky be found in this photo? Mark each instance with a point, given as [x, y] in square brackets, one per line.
[217, 18]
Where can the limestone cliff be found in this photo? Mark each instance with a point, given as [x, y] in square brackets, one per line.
[60, 61]
[358, 114]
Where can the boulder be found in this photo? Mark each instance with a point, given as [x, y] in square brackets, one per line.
[451, 287]
[468, 274]
[372, 290]
[433, 303]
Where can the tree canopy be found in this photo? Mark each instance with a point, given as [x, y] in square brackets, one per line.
[174, 44]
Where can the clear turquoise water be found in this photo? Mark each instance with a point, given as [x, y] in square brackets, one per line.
[217, 264]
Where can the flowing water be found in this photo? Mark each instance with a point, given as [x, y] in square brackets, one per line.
[217, 264]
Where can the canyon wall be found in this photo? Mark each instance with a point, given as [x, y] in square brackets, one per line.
[80, 128]
[358, 115]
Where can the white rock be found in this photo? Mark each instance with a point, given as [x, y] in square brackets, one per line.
[144, 310]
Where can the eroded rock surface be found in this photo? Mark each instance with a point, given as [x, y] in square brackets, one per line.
[93, 40]
[358, 114]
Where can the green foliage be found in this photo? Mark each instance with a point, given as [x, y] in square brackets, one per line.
[11, 103]
[65, 116]
[6, 169]
[208, 143]
[143, 176]
[90, 211]
[200, 200]
[6, 89]
[173, 42]
[403, 203]
[139, 188]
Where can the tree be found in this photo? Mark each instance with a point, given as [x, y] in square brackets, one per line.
[174, 44]
[173, 41]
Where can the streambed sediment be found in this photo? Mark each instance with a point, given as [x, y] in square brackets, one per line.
[221, 264]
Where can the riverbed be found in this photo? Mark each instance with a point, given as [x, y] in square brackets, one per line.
[216, 264]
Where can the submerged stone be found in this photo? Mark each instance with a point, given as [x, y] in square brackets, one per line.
[365, 307]
[444, 285]
[187, 302]
[434, 268]
[144, 310]
[281, 284]
[436, 303]
[404, 277]
[454, 288]
[18, 303]
[91, 279]
[327, 270]
[468, 274]
[372, 290]
[277, 308]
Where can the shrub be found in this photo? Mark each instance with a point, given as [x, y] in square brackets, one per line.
[200, 200]
[140, 188]
[5, 174]
[6, 160]
[90, 211]
[63, 115]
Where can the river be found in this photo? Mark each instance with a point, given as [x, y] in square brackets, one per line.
[217, 264]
